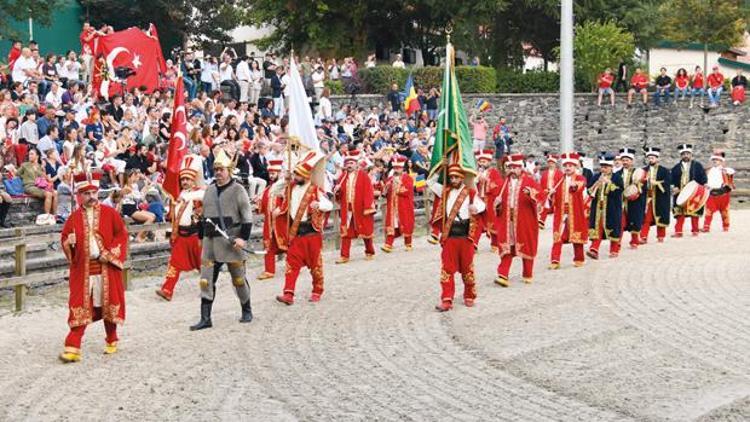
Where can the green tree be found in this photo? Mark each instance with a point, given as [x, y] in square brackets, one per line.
[20, 10]
[716, 22]
[204, 22]
[598, 46]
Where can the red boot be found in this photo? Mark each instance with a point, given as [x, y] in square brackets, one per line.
[287, 298]
[444, 306]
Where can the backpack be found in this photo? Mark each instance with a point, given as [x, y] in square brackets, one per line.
[14, 186]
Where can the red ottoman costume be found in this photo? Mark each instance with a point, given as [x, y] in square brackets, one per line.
[550, 181]
[570, 223]
[357, 198]
[517, 225]
[721, 183]
[488, 188]
[399, 206]
[274, 228]
[96, 254]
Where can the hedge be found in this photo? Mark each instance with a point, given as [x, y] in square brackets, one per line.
[336, 87]
[471, 79]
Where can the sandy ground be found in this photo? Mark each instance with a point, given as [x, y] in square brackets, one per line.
[661, 333]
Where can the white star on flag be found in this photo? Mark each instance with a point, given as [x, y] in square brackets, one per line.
[136, 61]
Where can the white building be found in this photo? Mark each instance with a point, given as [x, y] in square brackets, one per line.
[674, 56]
[249, 35]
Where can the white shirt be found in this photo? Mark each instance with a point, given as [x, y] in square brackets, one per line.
[226, 73]
[286, 81]
[23, 63]
[325, 109]
[54, 98]
[513, 193]
[298, 192]
[318, 78]
[243, 71]
[463, 212]
[399, 64]
[71, 69]
[207, 68]
[716, 177]
[186, 200]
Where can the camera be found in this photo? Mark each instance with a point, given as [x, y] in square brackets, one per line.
[124, 72]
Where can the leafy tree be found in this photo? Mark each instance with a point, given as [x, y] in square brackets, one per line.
[598, 46]
[718, 22]
[204, 22]
[20, 10]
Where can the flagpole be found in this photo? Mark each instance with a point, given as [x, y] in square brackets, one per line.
[443, 196]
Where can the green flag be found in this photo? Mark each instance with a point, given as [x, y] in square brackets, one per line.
[453, 143]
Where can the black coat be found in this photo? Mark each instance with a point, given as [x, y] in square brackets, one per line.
[679, 180]
[260, 166]
[610, 210]
[634, 209]
[658, 195]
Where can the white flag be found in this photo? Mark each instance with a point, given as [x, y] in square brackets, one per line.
[300, 116]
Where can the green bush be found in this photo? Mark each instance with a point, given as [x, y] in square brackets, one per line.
[336, 87]
[515, 81]
[471, 79]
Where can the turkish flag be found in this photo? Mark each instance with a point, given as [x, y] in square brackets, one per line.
[132, 49]
[177, 142]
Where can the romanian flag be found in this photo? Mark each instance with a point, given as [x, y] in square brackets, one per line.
[482, 105]
[411, 103]
[419, 181]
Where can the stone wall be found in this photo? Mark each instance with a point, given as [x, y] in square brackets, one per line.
[535, 119]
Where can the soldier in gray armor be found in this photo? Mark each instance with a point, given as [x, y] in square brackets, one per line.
[226, 208]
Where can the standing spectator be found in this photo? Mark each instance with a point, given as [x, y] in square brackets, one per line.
[739, 85]
[394, 99]
[191, 70]
[256, 83]
[681, 84]
[325, 109]
[502, 138]
[259, 162]
[334, 73]
[371, 61]
[622, 77]
[318, 80]
[715, 86]
[698, 85]
[269, 69]
[243, 78]
[605, 87]
[209, 66]
[479, 131]
[398, 63]
[227, 77]
[29, 130]
[37, 185]
[663, 84]
[638, 83]
[277, 86]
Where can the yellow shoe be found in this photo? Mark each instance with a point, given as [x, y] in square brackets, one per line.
[578, 264]
[386, 249]
[369, 257]
[342, 260]
[433, 240]
[70, 357]
[502, 281]
[528, 280]
[110, 348]
[409, 248]
[554, 266]
[265, 275]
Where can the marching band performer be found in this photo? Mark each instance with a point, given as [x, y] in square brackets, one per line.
[658, 183]
[634, 197]
[569, 224]
[551, 178]
[356, 196]
[517, 224]
[185, 215]
[721, 183]
[605, 218]
[274, 229]
[488, 188]
[227, 221]
[399, 206]
[303, 207]
[683, 173]
[95, 242]
[460, 228]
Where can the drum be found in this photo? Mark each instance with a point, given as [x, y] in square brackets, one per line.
[632, 192]
[693, 197]
[639, 175]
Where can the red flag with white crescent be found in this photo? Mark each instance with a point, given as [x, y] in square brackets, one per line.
[178, 147]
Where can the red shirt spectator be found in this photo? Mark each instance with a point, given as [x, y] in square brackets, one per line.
[13, 55]
[639, 81]
[681, 81]
[605, 80]
[715, 79]
[88, 39]
[698, 80]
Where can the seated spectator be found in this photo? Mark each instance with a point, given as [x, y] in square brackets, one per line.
[64, 194]
[663, 86]
[5, 201]
[52, 166]
[638, 83]
[715, 86]
[29, 130]
[697, 85]
[37, 185]
[681, 84]
[133, 200]
[605, 87]
[49, 141]
[739, 85]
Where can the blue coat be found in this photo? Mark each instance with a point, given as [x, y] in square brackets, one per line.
[658, 195]
[697, 173]
[634, 210]
[606, 207]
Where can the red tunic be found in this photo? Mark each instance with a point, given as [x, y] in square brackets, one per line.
[488, 188]
[550, 179]
[357, 197]
[112, 239]
[399, 203]
[519, 228]
[273, 227]
[186, 250]
[568, 201]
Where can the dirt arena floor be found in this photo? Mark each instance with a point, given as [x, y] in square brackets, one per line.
[662, 333]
